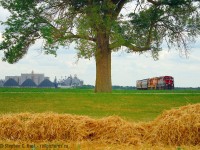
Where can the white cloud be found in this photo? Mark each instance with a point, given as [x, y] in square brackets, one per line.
[1, 38]
[131, 67]
[126, 68]
[64, 64]
[4, 14]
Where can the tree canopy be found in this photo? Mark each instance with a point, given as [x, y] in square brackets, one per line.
[99, 27]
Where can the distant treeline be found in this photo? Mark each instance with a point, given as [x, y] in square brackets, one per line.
[117, 87]
[187, 88]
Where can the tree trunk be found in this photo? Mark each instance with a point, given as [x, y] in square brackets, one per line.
[103, 64]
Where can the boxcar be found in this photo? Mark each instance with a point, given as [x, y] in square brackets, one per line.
[142, 84]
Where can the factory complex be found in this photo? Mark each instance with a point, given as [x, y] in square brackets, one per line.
[34, 80]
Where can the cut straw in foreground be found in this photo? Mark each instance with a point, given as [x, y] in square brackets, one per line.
[174, 127]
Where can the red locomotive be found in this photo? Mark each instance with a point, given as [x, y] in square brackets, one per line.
[163, 82]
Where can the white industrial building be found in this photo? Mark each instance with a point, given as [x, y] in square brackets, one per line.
[1, 83]
[16, 78]
[36, 78]
[70, 82]
[33, 80]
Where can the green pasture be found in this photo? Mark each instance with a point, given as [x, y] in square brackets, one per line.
[132, 105]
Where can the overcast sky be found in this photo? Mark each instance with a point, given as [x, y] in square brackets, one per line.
[126, 68]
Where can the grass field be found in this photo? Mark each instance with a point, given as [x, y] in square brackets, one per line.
[131, 105]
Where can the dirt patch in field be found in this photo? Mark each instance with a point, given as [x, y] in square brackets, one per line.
[174, 127]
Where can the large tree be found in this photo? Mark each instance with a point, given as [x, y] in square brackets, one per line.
[98, 27]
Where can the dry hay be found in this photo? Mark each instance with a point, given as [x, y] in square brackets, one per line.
[51, 126]
[175, 127]
[86, 145]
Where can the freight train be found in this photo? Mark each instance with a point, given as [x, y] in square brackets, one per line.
[162, 82]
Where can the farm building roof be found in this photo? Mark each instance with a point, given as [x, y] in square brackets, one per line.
[1, 83]
[28, 83]
[46, 83]
[11, 82]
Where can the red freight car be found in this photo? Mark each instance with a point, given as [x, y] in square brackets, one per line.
[162, 82]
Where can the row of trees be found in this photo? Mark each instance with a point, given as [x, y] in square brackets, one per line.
[99, 28]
